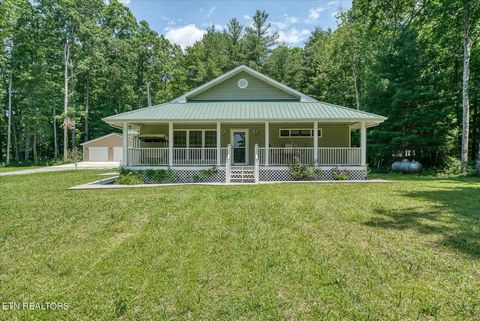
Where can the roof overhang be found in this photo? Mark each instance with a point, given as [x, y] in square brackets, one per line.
[353, 123]
[244, 112]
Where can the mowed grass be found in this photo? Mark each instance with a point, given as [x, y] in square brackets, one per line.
[17, 168]
[407, 250]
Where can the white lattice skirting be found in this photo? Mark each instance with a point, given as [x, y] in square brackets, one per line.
[183, 176]
[265, 175]
[278, 175]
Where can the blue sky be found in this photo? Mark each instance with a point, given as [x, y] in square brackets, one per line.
[184, 21]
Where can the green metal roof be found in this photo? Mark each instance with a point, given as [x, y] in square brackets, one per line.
[244, 111]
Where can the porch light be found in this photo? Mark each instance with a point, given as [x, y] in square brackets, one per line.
[254, 131]
[224, 131]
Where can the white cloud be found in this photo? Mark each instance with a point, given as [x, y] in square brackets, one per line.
[314, 14]
[210, 12]
[219, 27]
[184, 36]
[125, 2]
[292, 20]
[333, 3]
[293, 36]
[287, 21]
[279, 25]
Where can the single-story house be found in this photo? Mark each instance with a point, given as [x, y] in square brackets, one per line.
[249, 127]
[106, 148]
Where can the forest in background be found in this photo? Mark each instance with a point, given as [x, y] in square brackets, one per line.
[69, 63]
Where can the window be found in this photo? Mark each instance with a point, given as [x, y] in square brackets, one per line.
[306, 133]
[194, 138]
[180, 138]
[210, 138]
[298, 133]
[242, 83]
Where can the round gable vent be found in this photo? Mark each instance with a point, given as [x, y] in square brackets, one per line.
[242, 83]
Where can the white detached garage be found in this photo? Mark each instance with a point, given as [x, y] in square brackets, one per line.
[104, 149]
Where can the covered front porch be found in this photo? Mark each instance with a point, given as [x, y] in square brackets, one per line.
[267, 144]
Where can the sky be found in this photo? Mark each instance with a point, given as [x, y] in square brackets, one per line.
[185, 21]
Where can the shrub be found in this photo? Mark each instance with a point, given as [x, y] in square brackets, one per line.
[205, 174]
[451, 167]
[208, 173]
[145, 176]
[339, 175]
[157, 175]
[301, 172]
[129, 178]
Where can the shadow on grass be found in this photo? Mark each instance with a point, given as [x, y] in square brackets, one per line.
[453, 214]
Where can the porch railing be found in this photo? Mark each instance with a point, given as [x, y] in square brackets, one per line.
[325, 155]
[278, 156]
[147, 156]
[181, 156]
[339, 156]
[287, 155]
[194, 156]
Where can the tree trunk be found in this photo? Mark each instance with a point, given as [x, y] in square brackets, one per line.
[15, 142]
[467, 46]
[73, 138]
[9, 130]
[149, 99]
[477, 169]
[475, 134]
[87, 88]
[27, 144]
[35, 155]
[357, 93]
[55, 143]
[66, 58]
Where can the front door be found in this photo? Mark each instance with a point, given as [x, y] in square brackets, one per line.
[240, 146]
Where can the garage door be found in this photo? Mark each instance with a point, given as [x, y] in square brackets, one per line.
[117, 154]
[98, 154]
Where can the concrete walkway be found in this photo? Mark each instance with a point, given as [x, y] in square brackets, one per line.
[65, 167]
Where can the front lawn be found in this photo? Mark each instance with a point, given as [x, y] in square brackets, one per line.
[406, 250]
[14, 168]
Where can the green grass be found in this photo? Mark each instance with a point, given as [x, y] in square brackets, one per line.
[17, 168]
[407, 250]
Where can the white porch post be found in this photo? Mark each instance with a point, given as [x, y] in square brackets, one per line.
[125, 144]
[363, 143]
[315, 142]
[267, 143]
[218, 145]
[257, 165]
[170, 144]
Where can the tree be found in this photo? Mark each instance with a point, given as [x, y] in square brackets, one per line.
[285, 65]
[234, 35]
[470, 19]
[258, 40]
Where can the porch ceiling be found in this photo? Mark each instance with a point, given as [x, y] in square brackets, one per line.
[245, 111]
